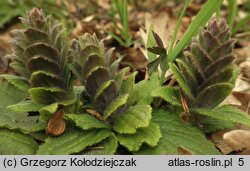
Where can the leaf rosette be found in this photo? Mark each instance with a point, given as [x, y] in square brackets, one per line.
[110, 95]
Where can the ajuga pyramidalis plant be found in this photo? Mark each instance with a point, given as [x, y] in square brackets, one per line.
[110, 94]
[103, 115]
[92, 67]
[205, 76]
[40, 57]
[206, 69]
[108, 113]
[206, 73]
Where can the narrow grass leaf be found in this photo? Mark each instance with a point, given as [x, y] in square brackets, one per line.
[199, 21]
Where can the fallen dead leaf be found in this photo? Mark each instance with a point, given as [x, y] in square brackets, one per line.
[220, 143]
[164, 25]
[194, 7]
[244, 99]
[241, 85]
[238, 139]
[183, 151]
[244, 152]
[5, 49]
[133, 56]
[95, 114]
[241, 54]
[232, 101]
[56, 124]
[245, 70]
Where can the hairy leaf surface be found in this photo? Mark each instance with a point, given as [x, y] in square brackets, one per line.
[135, 117]
[106, 147]
[176, 133]
[226, 113]
[86, 121]
[72, 142]
[15, 120]
[149, 135]
[16, 143]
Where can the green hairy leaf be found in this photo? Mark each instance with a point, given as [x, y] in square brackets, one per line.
[118, 102]
[47, 111]
[106, 147]
[143, 90]
[16, 143]
[149, 135]
[85, 121]
[135, 117]
[11, 119]
[211, 124]
[72, 142]
[226, 113]
[19, 82]
[176, 134]
[169, 94]
[26, 106]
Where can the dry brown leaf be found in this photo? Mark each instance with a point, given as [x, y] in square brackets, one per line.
[5, 49]
[232, 101]
[218, 140]
[164, 26]
[244, 98]
[56, 124]
[183, 151]
[133, 56]
[241, 85]
[245, 69]
[241, 54]
[95, 114]
[83, 27]
[238, 139]
[194, 7]
[105, 4]
[244, 152]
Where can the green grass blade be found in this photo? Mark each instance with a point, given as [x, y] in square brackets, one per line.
[240, 24]
[199, 21]
[120, 7]
[125, 18]
[232, 11]
[178, 25]
[218, 13]
[118, 39]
